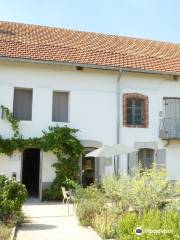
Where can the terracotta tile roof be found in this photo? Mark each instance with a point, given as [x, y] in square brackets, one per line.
[61, 45]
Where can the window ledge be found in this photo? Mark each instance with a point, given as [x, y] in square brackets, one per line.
[135, 126]
[25, 120]
[61, 122]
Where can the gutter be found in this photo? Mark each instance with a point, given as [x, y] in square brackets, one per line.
[118, 105]
[93, 66]
[118, 112]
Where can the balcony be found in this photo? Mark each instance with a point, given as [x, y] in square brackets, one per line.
[169, 128]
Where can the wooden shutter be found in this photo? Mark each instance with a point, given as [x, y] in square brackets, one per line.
[132, 162]
[172, 117]
[22, 106]
[60, 107]
[172, 108]
[161, 158]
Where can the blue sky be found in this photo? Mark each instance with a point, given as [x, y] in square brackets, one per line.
[152, 19]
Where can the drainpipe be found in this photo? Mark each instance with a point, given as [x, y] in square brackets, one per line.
[116, 162]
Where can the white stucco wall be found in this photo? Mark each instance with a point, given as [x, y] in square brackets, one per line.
[155, 87]
[91, 92]
[173, 159]
[10, 165]
[47, 170]
[92, 107]
[92, 101]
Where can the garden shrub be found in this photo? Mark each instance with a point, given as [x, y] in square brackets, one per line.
[70, 184]
[117, 190]
[146, 190]
[48, 194]
[177, 189]
[150, 189]
[174, 205]
[12, 197]
[147, 199]
[90, 201]
[55, 193]
[153, 220]
[106, 223]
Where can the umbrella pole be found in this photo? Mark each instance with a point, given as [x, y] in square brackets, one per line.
[117, 162]
[114, 164]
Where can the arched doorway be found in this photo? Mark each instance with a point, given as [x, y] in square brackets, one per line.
[89, 166]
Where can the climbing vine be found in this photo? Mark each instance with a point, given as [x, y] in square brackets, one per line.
[14, 123]
[60, 140]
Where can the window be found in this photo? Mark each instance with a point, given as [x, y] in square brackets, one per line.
[135, 113]
[146, 157]
[60, 107]
[22, 106]
[135, 110]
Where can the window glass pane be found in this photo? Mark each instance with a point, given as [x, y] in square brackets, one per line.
[138, 118]
[129, 116]
[22, 106]
[135, 111]
[139, 105]
[129, 102]
[60, 107]
[130, 111]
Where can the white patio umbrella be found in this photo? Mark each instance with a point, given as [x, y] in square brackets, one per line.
[110, 151]
[107, 151]
[104, 151]
[119, 149]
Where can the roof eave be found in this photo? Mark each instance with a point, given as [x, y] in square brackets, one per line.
[93, 66]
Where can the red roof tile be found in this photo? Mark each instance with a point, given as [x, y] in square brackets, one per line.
[60, 45]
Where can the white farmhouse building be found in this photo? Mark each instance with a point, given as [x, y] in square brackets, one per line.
[113, 89]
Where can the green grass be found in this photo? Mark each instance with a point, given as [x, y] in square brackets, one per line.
[5, 232]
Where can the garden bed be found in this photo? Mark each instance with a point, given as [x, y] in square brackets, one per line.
[120, 204]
